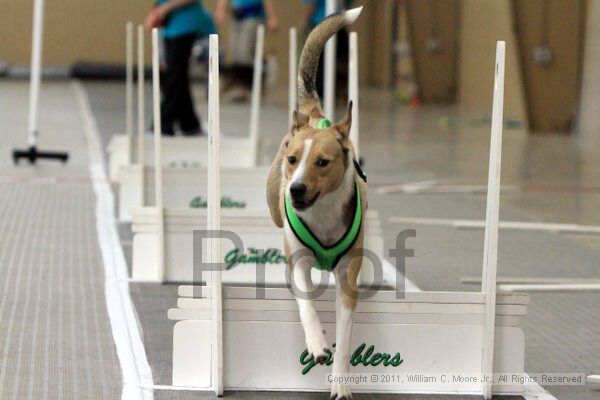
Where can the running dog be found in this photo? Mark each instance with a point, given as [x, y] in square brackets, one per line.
[316, 192]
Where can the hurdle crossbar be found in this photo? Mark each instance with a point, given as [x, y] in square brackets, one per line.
[214, 211]
[490, 250]
[256, 91]
[158, 196]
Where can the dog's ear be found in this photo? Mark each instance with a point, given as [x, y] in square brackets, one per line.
[299, 121]
[344, 124]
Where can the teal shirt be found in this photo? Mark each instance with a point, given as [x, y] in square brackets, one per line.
[187, 20]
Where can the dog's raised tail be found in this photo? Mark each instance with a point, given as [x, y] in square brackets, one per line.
[308, 99]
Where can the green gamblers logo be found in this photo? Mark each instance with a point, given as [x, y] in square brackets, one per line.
[226, 202]
[359, 357]
[254, 256]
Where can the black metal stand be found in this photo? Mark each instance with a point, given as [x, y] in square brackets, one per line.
[32, 154]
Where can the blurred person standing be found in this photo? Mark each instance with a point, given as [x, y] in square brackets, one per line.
[182, 22]
[244, 17]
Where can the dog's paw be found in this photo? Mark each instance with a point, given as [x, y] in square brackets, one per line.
[339, 391]
[318, 347]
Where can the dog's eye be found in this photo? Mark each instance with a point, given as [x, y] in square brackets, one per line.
[322, 162]
[292, 160]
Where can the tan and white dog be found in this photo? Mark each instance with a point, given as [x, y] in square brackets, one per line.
[316, 186]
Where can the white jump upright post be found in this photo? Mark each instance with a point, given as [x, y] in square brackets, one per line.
[256, 91]
[353, 90]
[214, 210]
[329, 68]
[158, 196]
[293, 73]
[129, 88]
[32, 153]
[141, 117]
[36, 71]
[490, 249]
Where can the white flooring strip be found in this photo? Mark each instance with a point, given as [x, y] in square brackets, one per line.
[549, 287]
[509, 225]
[593, 381]
[433, 187]
[137, 374]
[533, 280]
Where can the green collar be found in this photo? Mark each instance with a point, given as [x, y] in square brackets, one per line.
[327, 256]
[323, 123]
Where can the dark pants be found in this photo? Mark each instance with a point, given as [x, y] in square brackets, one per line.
[341, 50]
[177, 104]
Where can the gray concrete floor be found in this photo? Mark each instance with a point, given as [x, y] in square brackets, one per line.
[55, 337]
[401, 145]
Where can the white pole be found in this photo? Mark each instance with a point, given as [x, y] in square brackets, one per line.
[36, 70]
[129, 90]
[490, 249]
[158, 193]
[353, 89]
[256, 92]
[214, 211]
[293, 78]
[141, 157]
[329, 68]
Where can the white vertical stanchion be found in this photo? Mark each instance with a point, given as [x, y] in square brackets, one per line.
[293, 77]
[214, 211]
[129, 89]
[256, 92]
[353, 90]
[36, 71]
[329, 68]
[158, 154]
[141, 157]
[490, 250]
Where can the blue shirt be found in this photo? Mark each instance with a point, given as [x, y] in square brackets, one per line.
[246, 3]
[318, 14]
[243, 9]
[320, 11]
[188, 20]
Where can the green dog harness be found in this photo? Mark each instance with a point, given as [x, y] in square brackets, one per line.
[327, 256]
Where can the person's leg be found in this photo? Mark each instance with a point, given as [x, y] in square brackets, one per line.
[168, 85]
[186, 113]
[248, 39]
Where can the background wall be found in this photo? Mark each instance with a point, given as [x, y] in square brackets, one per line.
[79, 30]
[86, 30]
[74, 29]
[483, 22]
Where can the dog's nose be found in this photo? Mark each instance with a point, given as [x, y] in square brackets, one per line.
[298, 190]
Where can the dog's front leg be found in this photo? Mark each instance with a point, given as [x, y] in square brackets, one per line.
[345, 303]
[316, 344]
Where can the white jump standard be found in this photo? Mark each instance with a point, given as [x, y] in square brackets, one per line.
[184, 160]
[422, 333]
[32, 154]
[241, 151]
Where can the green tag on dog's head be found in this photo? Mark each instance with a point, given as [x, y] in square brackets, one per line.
[324, 123]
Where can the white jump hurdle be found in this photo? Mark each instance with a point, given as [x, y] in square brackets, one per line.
[456, 333]
[190, 150]
[184, 160]
[171, 225]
